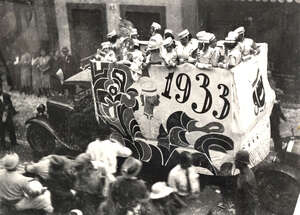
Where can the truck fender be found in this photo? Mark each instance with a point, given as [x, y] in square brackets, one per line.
[45, 124]
[280, 168]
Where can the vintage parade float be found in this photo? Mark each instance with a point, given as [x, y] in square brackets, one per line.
[211, 113]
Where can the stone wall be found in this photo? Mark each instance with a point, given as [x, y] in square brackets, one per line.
[178, 13]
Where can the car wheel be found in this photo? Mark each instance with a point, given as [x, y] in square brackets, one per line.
[278, 192]
[40, 140]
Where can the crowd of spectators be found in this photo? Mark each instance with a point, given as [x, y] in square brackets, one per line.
[36, 73]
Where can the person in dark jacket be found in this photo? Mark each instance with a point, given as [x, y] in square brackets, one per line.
[275, 117]
[246, 193]
[128, 195]
[61, 183]
[7, 112]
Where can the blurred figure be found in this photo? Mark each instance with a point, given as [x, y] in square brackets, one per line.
[233, 55]
[205, 52]
[275, 117]
[128, 194]
[7, 112]
[187, 49]
[107, 150]
[19, 191]
[69, 67]
[25, 70]
[134, 34]
[55, 81]
[42, 73]
[91, 183]
[169, 53]
[155, 33]
[247, 194]
[153, 53]
[247, 45]
[109, 54]
[165, 201]
[184, 179]
[61, 183]
[170, 33]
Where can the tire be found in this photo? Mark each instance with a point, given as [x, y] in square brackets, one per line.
[278, 192]
[40, 140]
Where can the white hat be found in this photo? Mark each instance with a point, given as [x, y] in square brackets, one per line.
[183, 34]
[156, 26]
[231, 37]
[160, 190]
[133, 32]
[10, 161]
[131, 167]
[112, 34]
[168, 31]
[240, 30]
[201, 34]
[105, 45]
[167, 42]
[149, 88]
[76, 212]
[211, 37]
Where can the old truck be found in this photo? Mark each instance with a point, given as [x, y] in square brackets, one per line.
[210, 113]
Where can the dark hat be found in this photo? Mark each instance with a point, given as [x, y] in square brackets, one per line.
[131, 167]
[242, 156]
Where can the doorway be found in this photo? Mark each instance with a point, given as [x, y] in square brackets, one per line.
[88, 27]
[143, 16]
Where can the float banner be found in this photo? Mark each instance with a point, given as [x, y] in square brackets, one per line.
[184, 108]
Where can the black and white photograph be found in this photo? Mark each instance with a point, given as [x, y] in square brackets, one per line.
[149, 107]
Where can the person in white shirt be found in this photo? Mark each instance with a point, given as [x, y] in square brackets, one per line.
[183, 178]
[169, 53]
[187, 48]
[155, 35]
[247, 45]
[107, 151]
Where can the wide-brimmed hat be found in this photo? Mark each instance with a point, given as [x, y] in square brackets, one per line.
[149, 88]
[240, 30]
[160, 190]
[75, 212]
[112, 34]
[131, 167]
[11, 161]
[231, 37]
[183, 34]
[156, 26]
[168, 42]
[242, 156]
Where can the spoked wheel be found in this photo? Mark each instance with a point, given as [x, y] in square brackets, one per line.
[40, 140]
[278, 192]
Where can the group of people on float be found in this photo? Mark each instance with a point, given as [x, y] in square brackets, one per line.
[204, 51]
